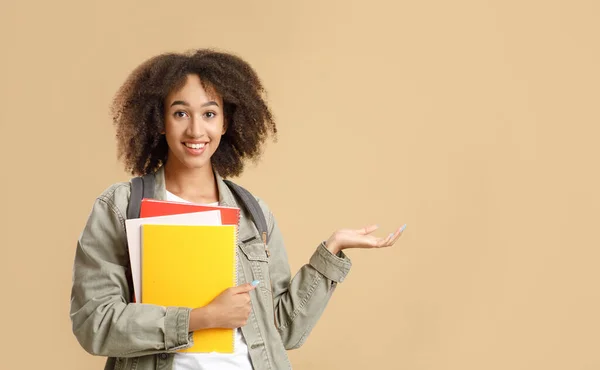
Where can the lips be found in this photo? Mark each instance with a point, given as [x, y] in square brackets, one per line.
[195, 149]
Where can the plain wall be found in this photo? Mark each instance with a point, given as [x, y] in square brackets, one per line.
[474, 122]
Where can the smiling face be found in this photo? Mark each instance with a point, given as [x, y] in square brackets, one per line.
[194, 124]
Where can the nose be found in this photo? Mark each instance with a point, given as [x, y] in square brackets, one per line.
[195, 128]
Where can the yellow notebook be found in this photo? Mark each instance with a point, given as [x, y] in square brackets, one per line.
[189, 266]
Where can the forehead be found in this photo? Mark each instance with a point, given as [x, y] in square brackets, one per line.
[192, 91]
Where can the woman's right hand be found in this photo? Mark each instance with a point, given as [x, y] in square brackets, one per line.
[230, 309]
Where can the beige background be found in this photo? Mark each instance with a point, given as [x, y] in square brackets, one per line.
[475, 122]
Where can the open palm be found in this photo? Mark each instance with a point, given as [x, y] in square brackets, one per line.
[361, 238]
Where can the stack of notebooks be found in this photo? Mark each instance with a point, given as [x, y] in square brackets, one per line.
[185, 255]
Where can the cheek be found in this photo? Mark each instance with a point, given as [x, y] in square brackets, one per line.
[216, 130]
[171, 133]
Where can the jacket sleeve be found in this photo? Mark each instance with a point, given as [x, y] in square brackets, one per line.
[300, 301]
[103, 320]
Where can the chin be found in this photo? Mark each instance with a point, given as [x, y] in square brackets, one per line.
[185, 162]
[196, 165]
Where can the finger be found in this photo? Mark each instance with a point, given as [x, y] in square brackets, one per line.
[367, 230]
[245, 288]
[369, 241]
[390, 239]
[385, 242]
[398, 234]
[240, 289]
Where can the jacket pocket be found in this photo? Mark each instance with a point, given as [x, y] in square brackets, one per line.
[255, 251]
[255, 256]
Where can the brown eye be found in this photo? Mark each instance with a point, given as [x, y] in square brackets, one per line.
[179, 114]
[210, 114]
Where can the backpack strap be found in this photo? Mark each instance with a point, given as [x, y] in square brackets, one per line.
[252, 206]
[141, 187]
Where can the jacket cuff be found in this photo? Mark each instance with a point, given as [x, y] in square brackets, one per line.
[333, 267]
[177, 321]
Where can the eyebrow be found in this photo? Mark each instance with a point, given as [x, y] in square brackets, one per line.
[181, 102]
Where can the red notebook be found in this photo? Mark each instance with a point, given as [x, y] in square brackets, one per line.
[154, 208]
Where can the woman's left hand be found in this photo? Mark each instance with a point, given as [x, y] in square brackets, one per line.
[361, 238]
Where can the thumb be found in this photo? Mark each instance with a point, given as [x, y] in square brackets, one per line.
[245, 288]
[367, 230]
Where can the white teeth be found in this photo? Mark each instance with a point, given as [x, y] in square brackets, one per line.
[195, 146]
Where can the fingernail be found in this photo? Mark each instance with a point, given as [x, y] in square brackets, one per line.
[255, 282]
[391, 234]
[402, 228]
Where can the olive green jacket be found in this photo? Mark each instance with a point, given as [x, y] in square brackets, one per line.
[143, 337]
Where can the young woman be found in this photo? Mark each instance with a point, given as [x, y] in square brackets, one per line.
[192, 120]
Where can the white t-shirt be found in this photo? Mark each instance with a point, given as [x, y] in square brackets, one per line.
[238, 360]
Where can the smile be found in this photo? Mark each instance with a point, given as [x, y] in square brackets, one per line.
[195, 146]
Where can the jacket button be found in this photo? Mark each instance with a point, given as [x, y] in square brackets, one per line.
[163, 356]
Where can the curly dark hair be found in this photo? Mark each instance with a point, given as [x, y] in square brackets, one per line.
[138, 109]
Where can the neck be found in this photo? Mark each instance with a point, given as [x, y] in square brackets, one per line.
[197, 185]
